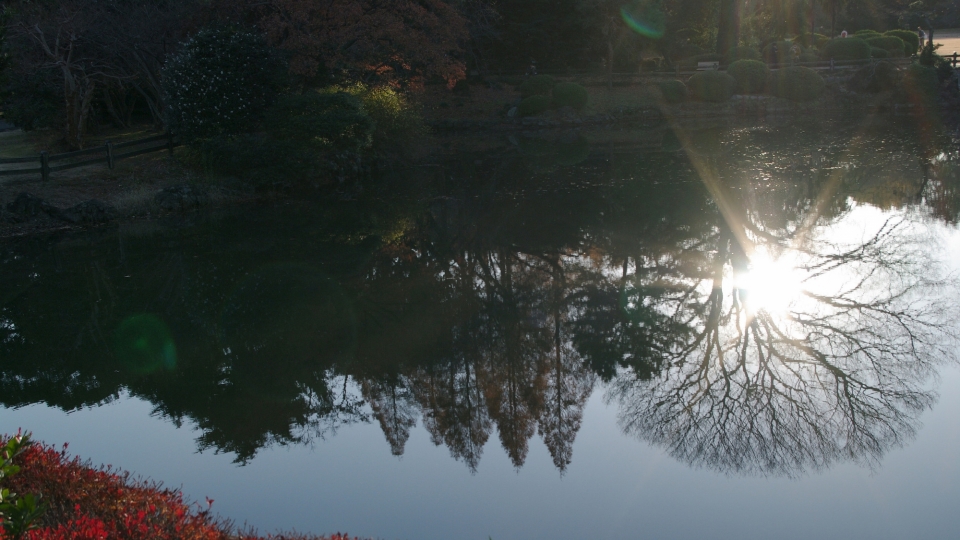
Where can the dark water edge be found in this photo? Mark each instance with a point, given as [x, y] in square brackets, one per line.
[503, 299]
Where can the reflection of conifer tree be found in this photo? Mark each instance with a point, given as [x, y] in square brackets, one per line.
[569, 384]
[513, 384]
[394, 407]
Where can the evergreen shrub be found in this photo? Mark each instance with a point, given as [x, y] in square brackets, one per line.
[796, 83]
[751, 76]
[866, 33]
[892, 44]
[877, 52]
[538, 85]
[780, 52]
[674, 91]
[533, 105]
[715, 86]
[220, 83]
[846, 49]
[568, 94]
[911, 41]
[743, 53]
[329, 120]
[820, 40]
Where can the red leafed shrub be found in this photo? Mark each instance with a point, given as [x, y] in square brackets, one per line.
[90, 503]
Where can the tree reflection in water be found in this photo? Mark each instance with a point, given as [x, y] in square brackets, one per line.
[502, 299]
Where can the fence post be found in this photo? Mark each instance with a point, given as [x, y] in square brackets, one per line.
[170, 142]
[109, 147]
[44, 166]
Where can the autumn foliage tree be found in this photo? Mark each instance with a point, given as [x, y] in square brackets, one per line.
[369, 40]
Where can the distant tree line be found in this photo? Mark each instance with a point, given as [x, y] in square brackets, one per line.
[81, 64]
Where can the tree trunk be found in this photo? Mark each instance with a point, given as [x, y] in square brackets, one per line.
[728, 32]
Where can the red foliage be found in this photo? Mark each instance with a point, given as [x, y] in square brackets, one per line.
[88, 503]
[404, 40]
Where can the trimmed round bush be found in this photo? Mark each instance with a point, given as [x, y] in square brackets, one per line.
[220, 83]
[674, 91]
[866, 33]
[820, 40]
[877, 52]
[809, 57]
[780, 52]
[568, 94]
[796, 83]
[715, 86]
[893, 45]
[751, 76]
[533, 105]
[743, 53]
[538, 85]
[846, 49]
[911, 41]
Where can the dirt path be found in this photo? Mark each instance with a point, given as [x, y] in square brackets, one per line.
[950, 39]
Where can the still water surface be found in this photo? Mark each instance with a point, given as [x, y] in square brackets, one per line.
[714, 333]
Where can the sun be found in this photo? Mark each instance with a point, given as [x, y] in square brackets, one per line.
[771, 283]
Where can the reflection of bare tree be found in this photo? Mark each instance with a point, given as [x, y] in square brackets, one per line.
[841, 376]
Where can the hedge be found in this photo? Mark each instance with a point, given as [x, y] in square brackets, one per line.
[911, 41]
[892, 44]
[866, 33]
[716, 86]
[796, 83]
[877, 52]
[538, 85]
[568, 94]
[846, 49]
[751, 76]
[743, 53]
[674, 91]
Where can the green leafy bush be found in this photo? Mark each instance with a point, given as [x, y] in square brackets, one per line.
[876, 52]
[743, 53]
[809, 57]
[842, 49]
[911, 41]
[334, 120]
[796, 83]
[538, 85]
[866, 33]
[892, 44]
[220, 83]
[568, 94]
[715, 86]
[533, 105]
[781, 52]
[751, 76]
[673, 91]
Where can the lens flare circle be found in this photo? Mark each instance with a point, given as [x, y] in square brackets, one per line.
[642, 24]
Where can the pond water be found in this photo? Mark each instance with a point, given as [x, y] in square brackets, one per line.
[721, 332]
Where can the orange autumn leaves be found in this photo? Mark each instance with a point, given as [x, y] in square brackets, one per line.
[395, 40]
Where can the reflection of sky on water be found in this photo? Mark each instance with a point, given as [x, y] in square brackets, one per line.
[614, 487]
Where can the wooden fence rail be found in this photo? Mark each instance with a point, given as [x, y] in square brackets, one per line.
[102, 154]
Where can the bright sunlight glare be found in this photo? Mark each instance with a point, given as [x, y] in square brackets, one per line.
[771, 284]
